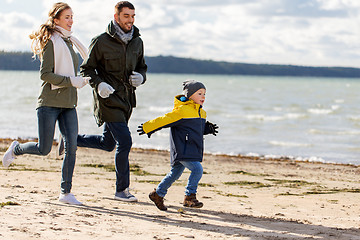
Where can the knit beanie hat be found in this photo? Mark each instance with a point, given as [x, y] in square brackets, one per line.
[191, 86]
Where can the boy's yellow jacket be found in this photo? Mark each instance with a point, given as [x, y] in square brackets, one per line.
[187, 127]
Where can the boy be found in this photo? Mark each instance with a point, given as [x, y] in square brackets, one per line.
[187, 123]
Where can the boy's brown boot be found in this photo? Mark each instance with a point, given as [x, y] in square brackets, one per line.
[159, 201]
[191, 201]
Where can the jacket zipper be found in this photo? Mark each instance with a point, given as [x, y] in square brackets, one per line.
[127, 78]
[201, 126]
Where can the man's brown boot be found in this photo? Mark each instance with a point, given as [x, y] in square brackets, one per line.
[159, 201]
[191, 201]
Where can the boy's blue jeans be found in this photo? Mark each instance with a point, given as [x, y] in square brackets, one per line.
[176, 170]
[68, 124]
[114, 134]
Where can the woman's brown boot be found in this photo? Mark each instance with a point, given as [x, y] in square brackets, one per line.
[159, 201]
[191, 201]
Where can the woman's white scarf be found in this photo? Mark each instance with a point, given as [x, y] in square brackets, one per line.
[63, 63]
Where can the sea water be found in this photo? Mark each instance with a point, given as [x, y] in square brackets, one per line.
[305, 118]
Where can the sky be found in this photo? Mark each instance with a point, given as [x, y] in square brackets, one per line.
[294, 32]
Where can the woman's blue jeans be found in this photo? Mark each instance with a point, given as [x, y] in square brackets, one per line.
[114, 134]
[68, 124]
[176, 170]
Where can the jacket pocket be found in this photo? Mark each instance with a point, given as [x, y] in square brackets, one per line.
[116, 101]
[192, 147]
[113, 62]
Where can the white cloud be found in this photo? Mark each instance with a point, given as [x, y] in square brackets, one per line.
[301, 32]
[16, 37]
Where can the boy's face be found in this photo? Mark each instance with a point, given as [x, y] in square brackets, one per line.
[199, 96]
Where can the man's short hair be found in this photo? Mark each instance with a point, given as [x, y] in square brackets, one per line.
[120, 5]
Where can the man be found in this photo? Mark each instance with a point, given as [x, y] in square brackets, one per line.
[117, 67]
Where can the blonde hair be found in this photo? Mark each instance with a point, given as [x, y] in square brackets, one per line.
[42, 36]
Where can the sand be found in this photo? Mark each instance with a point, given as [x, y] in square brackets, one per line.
[244, 198]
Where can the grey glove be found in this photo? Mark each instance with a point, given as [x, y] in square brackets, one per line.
[136, 79]
[105, 90]
[79, 82]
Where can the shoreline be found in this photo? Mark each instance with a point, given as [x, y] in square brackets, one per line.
[244, 198]
[240, 156]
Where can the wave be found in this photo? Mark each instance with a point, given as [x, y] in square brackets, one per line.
[273, 118]
[304, 159]
[289, 144]
[354, 132]
[339, 100]
[355, 118]
[331, 133]
[160, 109]
[323, 111]
[312, 159]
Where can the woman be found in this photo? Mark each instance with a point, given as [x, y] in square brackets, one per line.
[52, 43]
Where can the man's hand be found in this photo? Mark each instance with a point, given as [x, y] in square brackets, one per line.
[136, 79]
[105, 90]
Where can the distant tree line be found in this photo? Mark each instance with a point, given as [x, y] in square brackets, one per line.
[170, 64]
[18, 61]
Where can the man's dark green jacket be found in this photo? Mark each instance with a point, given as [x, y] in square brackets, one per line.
[112, 61]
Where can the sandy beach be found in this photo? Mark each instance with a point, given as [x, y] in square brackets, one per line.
[244, 198]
